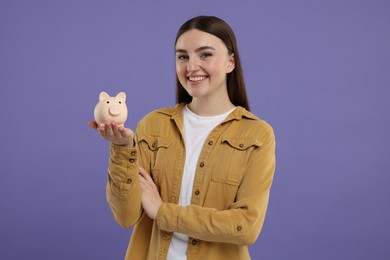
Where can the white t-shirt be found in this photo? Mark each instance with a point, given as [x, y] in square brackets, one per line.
[195, 130]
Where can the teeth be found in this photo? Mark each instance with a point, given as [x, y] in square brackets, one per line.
[197, 78]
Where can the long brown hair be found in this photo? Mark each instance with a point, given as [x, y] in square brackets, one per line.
[235, 79]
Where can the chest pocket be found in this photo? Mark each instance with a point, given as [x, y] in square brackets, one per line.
[232, 159]
[158, 149]
[229, 168]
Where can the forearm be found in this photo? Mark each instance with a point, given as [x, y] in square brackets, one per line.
[236, 226]
[242, 221]
[123, 187]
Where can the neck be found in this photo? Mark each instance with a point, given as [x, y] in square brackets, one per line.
[204, 107]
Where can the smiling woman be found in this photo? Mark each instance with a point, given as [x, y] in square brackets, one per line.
[219, 29]
[194, 178]
[202, 63]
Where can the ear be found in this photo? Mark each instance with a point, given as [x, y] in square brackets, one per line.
[231, 65]
[122, 96]
[103, 95]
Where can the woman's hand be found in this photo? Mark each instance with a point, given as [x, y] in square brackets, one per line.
[116, 134]
[151, 200]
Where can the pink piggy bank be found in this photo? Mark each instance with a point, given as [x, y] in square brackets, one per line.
[111, 108]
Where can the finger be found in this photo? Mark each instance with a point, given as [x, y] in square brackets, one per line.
[102, 131]
[115, 130]
[142, 181]
[93, 124]
[108, 130]
[147, 178]
[125, 132]
[144, 174]
[144, 189]
[146, 186]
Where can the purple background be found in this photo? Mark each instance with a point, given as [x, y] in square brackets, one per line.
[317, 71]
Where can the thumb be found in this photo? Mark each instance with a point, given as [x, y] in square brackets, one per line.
[93, 124]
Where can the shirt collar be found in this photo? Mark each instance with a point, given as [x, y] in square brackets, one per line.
[176, 112]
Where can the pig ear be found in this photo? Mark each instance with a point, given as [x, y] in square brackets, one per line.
[121, 95]
[103, 95]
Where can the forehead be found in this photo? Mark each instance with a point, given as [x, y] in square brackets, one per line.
[194, 39]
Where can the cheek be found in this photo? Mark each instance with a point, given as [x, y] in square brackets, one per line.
[180, 71]
[220, 68]
[214, 69]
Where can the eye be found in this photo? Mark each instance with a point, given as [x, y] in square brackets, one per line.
[108, 102]
[206, 55]
[120, 102]
[182, 57]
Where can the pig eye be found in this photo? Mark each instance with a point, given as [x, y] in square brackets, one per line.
[120, 102]
[108, 102]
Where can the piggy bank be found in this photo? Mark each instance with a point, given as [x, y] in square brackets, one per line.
[110, 109]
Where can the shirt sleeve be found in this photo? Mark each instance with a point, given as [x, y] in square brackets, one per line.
[123, 188]
[242, 222]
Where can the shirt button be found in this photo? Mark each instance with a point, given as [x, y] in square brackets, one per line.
[166, 235]
[210, 142]
[239, 228]
[197, 192]
[131, 160]
[129, 181]
[241, 145]
[201, 164]
[194, 242]
[133, 153]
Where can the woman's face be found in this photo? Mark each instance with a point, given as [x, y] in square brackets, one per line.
[202, 63]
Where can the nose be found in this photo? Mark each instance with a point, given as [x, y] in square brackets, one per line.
[114, 111]
[192, 65]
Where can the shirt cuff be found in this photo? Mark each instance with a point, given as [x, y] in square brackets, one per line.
[168, 217]
[122, 153]
[123, 164]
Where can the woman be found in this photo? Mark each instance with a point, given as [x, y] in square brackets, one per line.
[194, 179]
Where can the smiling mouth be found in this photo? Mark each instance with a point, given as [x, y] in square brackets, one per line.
[196, 78]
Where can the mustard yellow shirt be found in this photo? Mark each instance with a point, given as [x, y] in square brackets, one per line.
[230, 193]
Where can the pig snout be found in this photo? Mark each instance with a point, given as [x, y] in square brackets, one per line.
[114, 111]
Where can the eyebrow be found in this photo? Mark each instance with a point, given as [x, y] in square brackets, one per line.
[197, 50]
